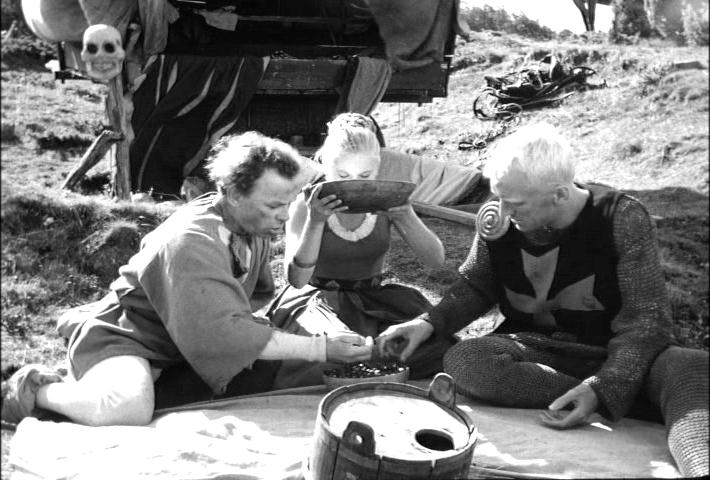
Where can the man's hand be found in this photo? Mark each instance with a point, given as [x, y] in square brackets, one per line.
[348, 348]
[321, 208]
[585, 403]
[400, 341]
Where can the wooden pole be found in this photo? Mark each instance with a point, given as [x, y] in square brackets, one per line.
[446, 213]
[96, 152]
[10, 31]
[117, 117]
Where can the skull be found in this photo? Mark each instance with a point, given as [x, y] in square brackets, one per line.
[102, 52]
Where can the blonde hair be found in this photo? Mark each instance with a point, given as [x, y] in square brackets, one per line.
[538, 152]
[347, 138]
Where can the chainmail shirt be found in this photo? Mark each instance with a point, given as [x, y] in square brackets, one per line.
[639, 331]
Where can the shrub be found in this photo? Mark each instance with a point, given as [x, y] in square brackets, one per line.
[695, 24]
[630, 20]
[684, 21]
[526, 27]
[27, 47]
[11, 10]
[489, 18]
[23, 48]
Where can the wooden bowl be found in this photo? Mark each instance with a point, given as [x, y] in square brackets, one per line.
[364, 196]
[332, 381]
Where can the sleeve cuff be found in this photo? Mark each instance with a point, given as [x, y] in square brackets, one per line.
[608, 407]
[283, 346]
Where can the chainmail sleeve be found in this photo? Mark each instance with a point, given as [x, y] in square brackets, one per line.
[641, 329]
[469, 297]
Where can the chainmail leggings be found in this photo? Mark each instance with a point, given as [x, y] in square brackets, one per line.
[530, 371]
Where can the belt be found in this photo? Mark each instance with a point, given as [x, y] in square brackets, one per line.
[333, 284]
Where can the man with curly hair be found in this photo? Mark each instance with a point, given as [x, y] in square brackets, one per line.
[185, 301]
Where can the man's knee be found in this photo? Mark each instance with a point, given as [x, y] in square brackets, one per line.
[121, 392]
[680, 365]
[482, 354]
[113, 409]
[680, 374]
[476, 365]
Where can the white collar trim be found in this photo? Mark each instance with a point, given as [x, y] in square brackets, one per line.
[362, 231]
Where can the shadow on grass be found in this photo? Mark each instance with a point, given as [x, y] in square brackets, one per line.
[681, 216]
[60, 251]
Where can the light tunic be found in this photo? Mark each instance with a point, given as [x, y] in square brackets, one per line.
[183, 297]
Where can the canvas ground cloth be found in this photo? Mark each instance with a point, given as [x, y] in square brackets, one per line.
[268, 436]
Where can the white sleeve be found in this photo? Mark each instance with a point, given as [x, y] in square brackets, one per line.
[283, 346]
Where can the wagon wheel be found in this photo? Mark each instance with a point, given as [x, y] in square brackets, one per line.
[492, 105]
[485, 103]
[508, 111]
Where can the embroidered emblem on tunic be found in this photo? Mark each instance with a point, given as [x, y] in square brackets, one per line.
[540, 271]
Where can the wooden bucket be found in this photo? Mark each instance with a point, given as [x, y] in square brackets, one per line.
[388, 431]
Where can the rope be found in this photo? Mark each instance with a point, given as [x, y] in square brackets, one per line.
[481, 141]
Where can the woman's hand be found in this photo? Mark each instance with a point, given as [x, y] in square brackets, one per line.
[400, 341]
[348, 347]
[319, 209]
[400, 214]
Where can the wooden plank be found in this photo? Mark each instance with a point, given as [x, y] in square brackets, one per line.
[302, 20]
[10, 31]
[445, 213]
[93, 155]
[283, 117]
[121, 180]
[323, 75]
[302, 74]
[468, 207]
[428, 76]
[327, 75]
[295, 51]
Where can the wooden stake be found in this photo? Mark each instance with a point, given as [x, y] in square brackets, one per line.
[117, 117]
[11, 31]
[93, 155]
[446, 213]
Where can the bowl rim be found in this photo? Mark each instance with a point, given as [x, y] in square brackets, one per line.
[362, 200]
[380, 181]
[386, 375]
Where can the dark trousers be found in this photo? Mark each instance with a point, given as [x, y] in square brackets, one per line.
[180, 384]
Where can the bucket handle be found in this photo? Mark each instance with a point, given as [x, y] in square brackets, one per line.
[360, 438]
[442, 389]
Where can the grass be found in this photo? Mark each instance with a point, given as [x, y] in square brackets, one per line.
[50, 235]
[646, 133]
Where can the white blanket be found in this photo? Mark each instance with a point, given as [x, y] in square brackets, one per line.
[268, 437]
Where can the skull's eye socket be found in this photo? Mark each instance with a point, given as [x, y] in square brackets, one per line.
[109, 47]
[92, 48]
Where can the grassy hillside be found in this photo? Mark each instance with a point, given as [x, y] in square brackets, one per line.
[645, 133]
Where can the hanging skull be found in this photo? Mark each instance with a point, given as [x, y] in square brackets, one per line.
[102, 52]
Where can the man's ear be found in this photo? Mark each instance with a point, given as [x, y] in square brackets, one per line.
[561, 194]
[231, 194]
